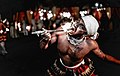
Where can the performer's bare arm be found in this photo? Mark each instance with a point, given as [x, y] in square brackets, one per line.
[50, 39]
[104, 56]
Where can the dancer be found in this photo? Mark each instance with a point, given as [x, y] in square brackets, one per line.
[73, 47]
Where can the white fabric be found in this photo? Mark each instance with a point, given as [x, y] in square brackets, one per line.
[72, 67]
[91, 25]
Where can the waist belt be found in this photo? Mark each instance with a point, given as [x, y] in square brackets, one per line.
[81, 69]
[72, 67]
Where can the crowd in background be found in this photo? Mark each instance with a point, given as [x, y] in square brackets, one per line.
[25, 22]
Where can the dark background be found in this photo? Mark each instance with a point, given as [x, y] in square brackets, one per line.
[9, 7]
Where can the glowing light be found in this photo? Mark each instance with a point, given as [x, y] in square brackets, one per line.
[4, 20]
[1, 31]
[61, 14]
[41, 18]
[83, 13]
[19, 27]
[54, 14]
[44, 18]
[54, 25]
[44, 10]
[28, 28]
[66, 14]
[7, 29]
[7, 23]
[101, 5]
[41, 10]
[96, 4]
[31, 12]
[49, 15]
[41, 14]
[49, 11]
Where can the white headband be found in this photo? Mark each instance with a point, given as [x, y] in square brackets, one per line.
[91, 25]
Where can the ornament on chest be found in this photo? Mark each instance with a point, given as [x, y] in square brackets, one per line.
[75, 41]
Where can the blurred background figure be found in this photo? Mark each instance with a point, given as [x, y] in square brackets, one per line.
[104, 21]
[2, 38]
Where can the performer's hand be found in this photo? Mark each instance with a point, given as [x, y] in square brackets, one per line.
[46, 35]
[45, 38]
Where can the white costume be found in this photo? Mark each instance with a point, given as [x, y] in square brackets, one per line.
[91, 25]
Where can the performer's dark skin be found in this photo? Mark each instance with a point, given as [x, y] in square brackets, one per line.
[71, 55]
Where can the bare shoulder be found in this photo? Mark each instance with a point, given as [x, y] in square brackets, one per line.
[92, 43]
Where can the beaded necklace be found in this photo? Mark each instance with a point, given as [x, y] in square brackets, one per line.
[75, 41]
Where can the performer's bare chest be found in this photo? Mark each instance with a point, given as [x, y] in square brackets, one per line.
[66, 48]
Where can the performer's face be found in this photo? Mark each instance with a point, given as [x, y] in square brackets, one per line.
[79, 28]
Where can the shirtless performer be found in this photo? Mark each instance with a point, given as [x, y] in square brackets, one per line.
[73, 46]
